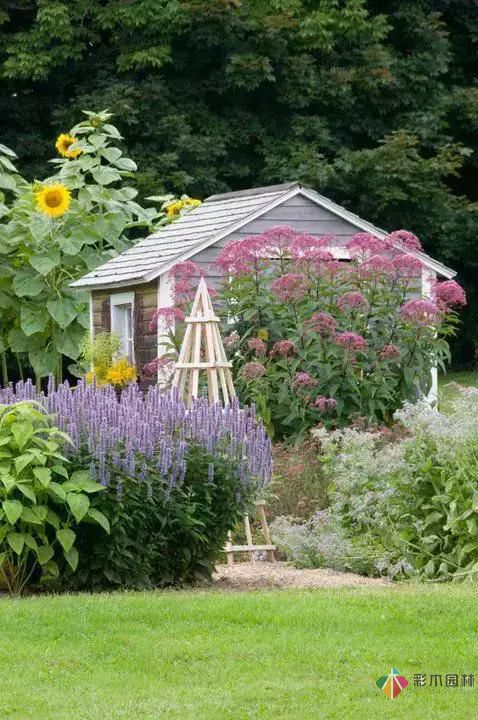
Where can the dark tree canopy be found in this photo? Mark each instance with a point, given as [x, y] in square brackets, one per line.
[373, 103]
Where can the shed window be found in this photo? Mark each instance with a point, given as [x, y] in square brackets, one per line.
[122, 322]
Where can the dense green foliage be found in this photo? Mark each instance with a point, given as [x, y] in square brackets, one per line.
[43, 249]
[42, 504]
[373, 103]
[417, 497]
[160, 536]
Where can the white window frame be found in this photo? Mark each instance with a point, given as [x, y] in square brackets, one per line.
[121, 300]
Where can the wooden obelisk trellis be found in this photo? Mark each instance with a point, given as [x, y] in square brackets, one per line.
[202, 349]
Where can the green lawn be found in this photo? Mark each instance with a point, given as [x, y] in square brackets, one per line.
[447, 394]
[207, 655]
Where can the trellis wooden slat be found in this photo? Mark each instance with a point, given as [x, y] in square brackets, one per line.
[202, 349]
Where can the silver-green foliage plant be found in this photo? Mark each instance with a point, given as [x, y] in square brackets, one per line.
[40, 503]
[43, 248]
[418, 495]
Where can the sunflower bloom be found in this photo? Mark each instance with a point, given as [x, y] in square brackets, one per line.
[63, 145]
[53, 200]
[174, 209]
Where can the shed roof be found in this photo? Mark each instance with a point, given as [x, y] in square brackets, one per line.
[219, 216]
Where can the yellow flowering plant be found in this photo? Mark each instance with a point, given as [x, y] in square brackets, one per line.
[55, 230]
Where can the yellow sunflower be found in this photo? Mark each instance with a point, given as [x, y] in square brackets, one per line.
[174, 209]
[63, 144]
[53, 200]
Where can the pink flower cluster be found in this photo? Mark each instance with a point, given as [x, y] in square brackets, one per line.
[420, 312]
[365, 245]
[154, 366]
[448, 294]
[353, 301]
[322, 323]
[283, 348]
[186, 276]
[407, 266]
[406, 239]
[376, 265]
[303, 381]
[390, 352]
[291, 287]
[324, 404]
[241, 257]
[168, 315]
[351, 341]
[253, 371]
[232, 340]
[257, 346]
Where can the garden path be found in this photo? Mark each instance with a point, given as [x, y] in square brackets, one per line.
[265, 575]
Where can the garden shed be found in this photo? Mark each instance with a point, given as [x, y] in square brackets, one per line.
[125, 291]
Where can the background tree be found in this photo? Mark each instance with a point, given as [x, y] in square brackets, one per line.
[373, 103]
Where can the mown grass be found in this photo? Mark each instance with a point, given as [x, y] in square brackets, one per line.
[207, 655]
[447, 394]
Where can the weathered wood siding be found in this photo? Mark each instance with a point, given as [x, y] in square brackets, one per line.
[299, 213]
[145, 303]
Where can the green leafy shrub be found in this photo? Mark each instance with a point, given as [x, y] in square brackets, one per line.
[42, 506]
[161, 535]
[175, 478]
[417, 496]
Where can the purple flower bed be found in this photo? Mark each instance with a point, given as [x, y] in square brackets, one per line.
[141, 429]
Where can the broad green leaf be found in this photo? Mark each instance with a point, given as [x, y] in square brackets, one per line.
[105, 175]
[7, 182]
[44, 554]
[57, 490]
[125, 164]
[4, 150]
[44, 264]
[60, 470]
[72, 558]
[30, 541]
[19, 342]
[29, 516]
[12, 509]
[22, 461]
[8, 482]
[98, 517]
[53, 519]
[22, 432]
[66, 538]
[33, 320]
[16, 542]
[79, 505]
[43, 363]
[71, 245]
[26, 285]
[28, 491]
[111, 153]
[68, 342]
[8, 164]
[41, 511]
[62, 311]
[52, 568]
[43, 475]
